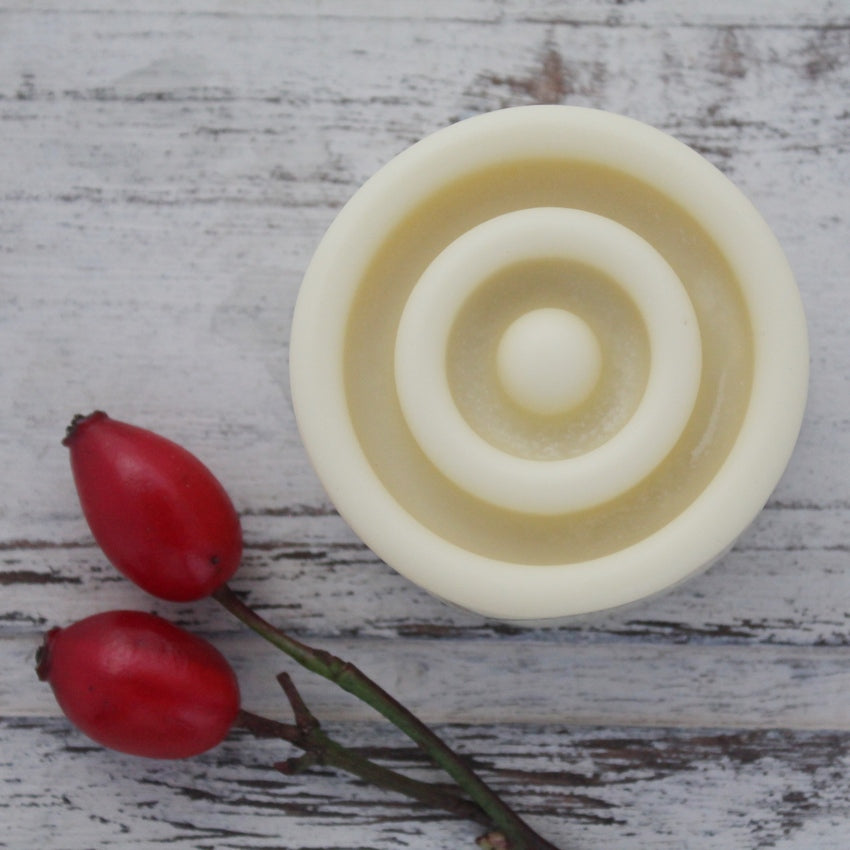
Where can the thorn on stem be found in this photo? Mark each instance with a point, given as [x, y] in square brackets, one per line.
[304, 718]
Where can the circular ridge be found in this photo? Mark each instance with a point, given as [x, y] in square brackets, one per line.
[553, 486]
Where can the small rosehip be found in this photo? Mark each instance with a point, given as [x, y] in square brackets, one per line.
[158, 513]
[136, 683]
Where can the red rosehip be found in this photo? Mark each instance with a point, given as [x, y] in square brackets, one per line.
[138, 684]
[158, 513]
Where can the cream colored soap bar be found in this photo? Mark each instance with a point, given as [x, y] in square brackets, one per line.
[548, 361]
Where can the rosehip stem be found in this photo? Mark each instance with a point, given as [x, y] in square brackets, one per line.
[517, 833]
[320, 748]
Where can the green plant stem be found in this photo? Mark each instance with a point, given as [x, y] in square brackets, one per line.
[324, 750]
[519, 835]
[319, 748]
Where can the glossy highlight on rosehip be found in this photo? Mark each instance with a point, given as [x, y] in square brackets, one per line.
[160, 516]
[136, 683]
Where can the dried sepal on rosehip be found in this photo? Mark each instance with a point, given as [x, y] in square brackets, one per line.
[160, 516]
[136, 683]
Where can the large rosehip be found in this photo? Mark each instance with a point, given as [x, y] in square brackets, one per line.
[138, 684]
[158, 513]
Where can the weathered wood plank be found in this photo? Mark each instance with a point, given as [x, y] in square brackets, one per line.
[272, 125]
[533, 681]
[785, 583]
[608, 13]
[584, 788]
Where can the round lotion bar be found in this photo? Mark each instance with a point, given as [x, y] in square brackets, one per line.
[548, 361]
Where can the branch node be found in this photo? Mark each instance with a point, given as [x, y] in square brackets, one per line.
[298, 764]
[493, 841]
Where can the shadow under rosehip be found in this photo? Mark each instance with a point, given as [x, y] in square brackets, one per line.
[136, 683]
[159, 515]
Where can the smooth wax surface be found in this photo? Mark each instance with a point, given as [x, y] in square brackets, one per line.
[383, 409]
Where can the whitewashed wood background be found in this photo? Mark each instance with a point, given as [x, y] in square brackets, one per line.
[166, 171]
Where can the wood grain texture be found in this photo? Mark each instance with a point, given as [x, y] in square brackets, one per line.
[525, 680]
[166, 171]
[781, 584]
[583, 787]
